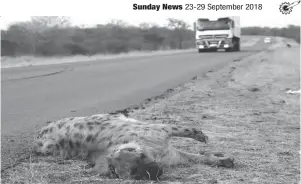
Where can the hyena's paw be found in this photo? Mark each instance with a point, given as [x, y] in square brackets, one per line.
[101, 166]
[100, 171]
[227, 162]
[216, 154]
[89, 165]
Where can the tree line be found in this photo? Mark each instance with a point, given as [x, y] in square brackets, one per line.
[291, 31]
[50, 36]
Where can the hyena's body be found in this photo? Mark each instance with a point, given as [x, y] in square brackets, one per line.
[125, 144]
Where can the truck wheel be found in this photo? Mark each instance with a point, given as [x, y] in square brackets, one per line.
[228, 49]
[200, 51]
[235, 46]
[238, 46]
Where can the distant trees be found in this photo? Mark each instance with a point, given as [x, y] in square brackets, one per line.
[291, 31]
[180, 30]
[39, 36]
[54, 35]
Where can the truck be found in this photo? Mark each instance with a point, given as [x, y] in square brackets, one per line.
[221, 33]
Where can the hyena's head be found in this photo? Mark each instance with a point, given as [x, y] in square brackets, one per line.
[45, 141]
[44, 147]
[130, 161]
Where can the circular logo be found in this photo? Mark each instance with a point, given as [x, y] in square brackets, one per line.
[284, 8]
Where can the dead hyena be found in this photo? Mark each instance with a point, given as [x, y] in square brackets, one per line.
[123, 146]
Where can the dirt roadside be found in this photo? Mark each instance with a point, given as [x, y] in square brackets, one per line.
[243, 108]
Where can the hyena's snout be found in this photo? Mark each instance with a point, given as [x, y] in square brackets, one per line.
[205, 139]
[202, 137]
[42, 149]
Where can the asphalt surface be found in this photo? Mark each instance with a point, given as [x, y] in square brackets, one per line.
[33, 95]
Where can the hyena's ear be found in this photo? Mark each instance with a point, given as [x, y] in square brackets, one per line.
[109, 159]
[48, 122]
[142, 156]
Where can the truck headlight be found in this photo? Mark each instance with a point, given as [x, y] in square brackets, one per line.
[227, 41]
[200, 43]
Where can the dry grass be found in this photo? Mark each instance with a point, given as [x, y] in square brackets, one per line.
[246, 113]
[8, 62]
[243, 109]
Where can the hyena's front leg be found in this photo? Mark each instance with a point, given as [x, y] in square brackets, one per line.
[208, 159]
[192, 132]
[101, 166]
[175, 157]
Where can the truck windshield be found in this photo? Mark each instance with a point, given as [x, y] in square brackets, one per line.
[212, 25]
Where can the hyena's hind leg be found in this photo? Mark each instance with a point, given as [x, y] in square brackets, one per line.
[192, 132]
[101, 166]
[175, 157]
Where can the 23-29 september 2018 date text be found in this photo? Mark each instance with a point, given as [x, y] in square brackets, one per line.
[223, 7]
[214, 7]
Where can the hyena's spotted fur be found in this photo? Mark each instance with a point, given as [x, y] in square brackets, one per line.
[135, 149]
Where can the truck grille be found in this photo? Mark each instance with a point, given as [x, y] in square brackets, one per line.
[212, 42]
[221, 36]
[213, 36]
[206, 36]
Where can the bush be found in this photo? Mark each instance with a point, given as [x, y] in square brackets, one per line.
[75, 49]
[49, 36]
[291, 31]
[8, 48]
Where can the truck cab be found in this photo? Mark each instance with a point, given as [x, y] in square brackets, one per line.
[222, 33]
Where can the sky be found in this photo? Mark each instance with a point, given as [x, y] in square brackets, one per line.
[92, 12]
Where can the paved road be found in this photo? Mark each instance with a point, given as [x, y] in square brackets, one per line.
[33, 95]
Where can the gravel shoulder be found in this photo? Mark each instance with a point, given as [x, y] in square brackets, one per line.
[243, 108]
